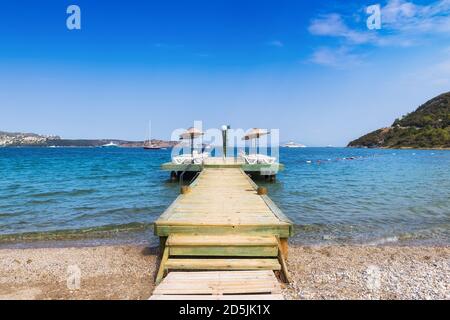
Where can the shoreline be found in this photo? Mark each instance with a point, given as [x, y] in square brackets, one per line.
[142, 234]
[146, 237]
[318, 272]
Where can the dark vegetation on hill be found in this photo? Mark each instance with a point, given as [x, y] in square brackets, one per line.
[427, 127]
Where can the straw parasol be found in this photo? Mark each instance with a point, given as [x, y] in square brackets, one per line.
[256, 133]
[191, 134]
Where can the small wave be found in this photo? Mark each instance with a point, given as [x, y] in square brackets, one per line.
[105, 231]
[7, 214]
[115, 211]
[310, 227]
[75, 192]
[384, 240]
[43, 201]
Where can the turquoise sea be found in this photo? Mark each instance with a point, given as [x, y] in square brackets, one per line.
[333, 195]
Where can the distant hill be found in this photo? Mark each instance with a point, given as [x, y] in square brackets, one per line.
[427, 127]
[20, 139]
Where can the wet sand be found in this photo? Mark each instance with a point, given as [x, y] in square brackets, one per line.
[322, 272]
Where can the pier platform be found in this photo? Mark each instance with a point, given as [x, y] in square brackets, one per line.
[222, 223]
[218, 162]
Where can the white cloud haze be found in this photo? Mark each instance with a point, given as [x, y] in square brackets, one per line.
[404, 24]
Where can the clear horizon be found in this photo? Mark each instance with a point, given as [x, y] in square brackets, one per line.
[313, 70]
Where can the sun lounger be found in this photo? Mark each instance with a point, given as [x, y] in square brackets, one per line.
[257, 158]
[263, 159]
[250, 159]
[199, 158]
[196, 158]
[182, 159]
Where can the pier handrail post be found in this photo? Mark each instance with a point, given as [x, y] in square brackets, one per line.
[224, 140]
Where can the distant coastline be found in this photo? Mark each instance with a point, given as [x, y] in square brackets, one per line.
[21, 139]
[399, 148]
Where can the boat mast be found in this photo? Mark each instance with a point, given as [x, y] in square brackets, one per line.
[149, 141]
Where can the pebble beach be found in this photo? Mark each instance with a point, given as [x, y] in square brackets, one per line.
[318, 272]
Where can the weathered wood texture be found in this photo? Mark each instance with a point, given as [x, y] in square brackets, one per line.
[223, 201]
[221, 246]
[219, 285]
[222, 223]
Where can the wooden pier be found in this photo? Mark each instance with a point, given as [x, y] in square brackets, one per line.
[267, 170]
[223, 226]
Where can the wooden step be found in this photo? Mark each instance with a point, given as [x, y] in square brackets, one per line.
[222, 245]
[219, 285]
[223, 251]
[220, 240]
[219, 282]
[222, 264]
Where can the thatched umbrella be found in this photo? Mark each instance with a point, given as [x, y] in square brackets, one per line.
[256, 133]
[191, 134]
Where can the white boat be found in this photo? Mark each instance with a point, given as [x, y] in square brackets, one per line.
[206, 146]
[292, 144]
[110, 145]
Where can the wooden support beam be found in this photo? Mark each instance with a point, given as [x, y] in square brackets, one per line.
[282, 261]
[284, 244]
[162, 265]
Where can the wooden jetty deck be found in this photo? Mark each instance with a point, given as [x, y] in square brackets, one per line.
[222, 223]
[213, 285]
[217, 162]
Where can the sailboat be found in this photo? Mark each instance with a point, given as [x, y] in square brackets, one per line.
[148, 145]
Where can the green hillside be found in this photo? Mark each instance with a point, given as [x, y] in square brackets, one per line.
[427, 127]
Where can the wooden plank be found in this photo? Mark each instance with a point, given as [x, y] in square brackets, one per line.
[219, 282]
[220, 240]
[282, 231]
[219, 285]
[222, 264]
[180, 275]
[224, 251]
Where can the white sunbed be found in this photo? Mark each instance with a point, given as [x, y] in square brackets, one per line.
[258, 158]
[188, 159]
[199, 158]
[263, 159]
[182, 159]
[250, 159]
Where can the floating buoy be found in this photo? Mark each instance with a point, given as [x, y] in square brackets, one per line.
[262, 191]
[185, 189]
[309, 161]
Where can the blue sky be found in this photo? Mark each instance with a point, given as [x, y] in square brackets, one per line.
[310, 68]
